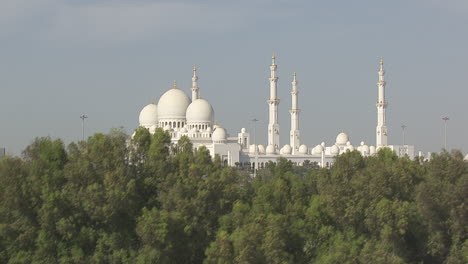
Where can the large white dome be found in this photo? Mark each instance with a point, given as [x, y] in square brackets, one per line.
[200, 111]
[149, 115]
[341, 139]
[173, 104]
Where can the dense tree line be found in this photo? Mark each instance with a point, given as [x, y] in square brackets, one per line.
[111, 200]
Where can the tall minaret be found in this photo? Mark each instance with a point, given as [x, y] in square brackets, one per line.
[195, 94]
[294, 134]
[273, 102]
[381, 131]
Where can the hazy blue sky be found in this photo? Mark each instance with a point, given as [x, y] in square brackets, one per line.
[107, 59]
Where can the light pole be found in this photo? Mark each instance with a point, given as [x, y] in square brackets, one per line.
[83, 117]
[403, 133]
[255, 120]
[446, 118]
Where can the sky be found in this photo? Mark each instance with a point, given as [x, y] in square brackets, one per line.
[107, 59]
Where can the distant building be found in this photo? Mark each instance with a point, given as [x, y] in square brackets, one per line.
[193, 117]
[2, 152]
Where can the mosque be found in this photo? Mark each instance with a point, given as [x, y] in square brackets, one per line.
[194, 117]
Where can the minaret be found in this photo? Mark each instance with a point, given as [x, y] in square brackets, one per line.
[381, 131]
[294, 134]
[195, 94]
[273, 102]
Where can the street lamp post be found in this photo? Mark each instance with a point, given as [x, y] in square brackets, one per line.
[403, 132]
[255, 145]
[446, 118]
[83, 117]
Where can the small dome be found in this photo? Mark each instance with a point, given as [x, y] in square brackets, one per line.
[303, 149]
[318, 150]
[173, 104]
[252, 148]
[149, 115]
[261, 149]
[286, 149]
[372, 150]
[200, 111]
[365, 149]
[270, 149]
[243, 130]
[341, 139]
[208, 129]
[348, 143]
[362, 143]
[219, 135]
[335, 150]
[350, 148]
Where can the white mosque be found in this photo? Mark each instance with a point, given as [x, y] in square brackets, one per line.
[194, 118]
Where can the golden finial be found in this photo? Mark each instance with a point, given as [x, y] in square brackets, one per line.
[273, 56]
[294, 74]
[175, 85]
[152, 101]
[381, 61]
[194, 68]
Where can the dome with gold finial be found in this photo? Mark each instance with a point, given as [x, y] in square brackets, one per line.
[173, 104]
[200, 111]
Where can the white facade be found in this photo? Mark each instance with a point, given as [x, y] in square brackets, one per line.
[195, 118]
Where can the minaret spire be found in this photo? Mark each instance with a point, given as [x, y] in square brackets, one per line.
[294, 133]
[195, 92]
[273, 102]
[381, 130]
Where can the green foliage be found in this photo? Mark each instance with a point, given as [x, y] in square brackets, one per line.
[145, 200]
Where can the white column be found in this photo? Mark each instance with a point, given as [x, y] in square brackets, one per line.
[381, 130]
[294, 133]
[273, 102]
[195, 94]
